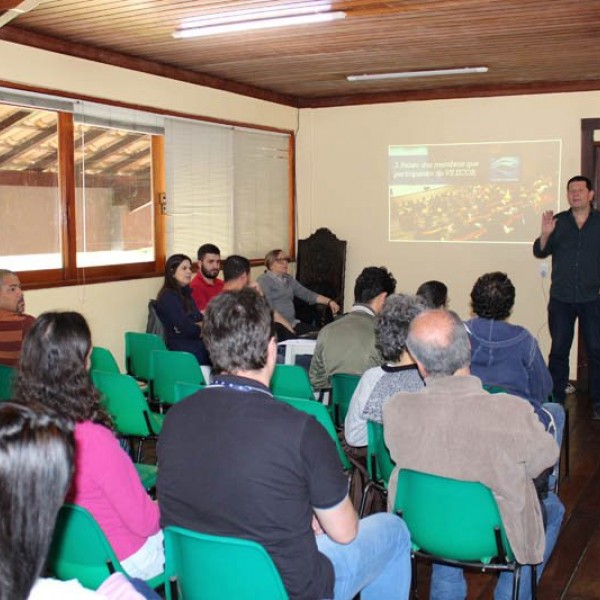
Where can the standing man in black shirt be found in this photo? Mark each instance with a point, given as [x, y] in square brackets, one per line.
[572, 238]
[236, 462]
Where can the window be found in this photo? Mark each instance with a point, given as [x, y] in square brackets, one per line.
[77, 186]
[30, 211]
[113, 191]
[82, 189]
[228, 186]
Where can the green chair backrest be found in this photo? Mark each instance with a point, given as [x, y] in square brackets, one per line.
[450, 518]
[291, 381]
[321, 414]
[102, 359]
[183, 389]
[379, 462]
[80, 550]
[209, 567]
[167, 367]
[126, 403]
[6, 382]
[138, 348]
[342, 388]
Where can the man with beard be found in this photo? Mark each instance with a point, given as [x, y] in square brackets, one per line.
[205, 284]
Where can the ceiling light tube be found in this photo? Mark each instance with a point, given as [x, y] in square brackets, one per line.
[258, 24]
[413, 74]
[254, 14]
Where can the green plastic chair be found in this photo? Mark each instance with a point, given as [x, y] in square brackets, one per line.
[456, 523]
[138, 348]
[342, 389]
[291, 381]
[6, 382]
[379, 463]
[183, 389]
[80, 550]
[321, 414]
[147, 475]
[126, 403]
[168, 367]
[208, 567]
[102, 359]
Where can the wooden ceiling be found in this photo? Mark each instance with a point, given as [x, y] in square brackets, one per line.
[529, 46]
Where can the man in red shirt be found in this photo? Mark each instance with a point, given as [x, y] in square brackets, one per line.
[14, 323]
[205, 284]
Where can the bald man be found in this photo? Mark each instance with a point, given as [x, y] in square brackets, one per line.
[454, 428]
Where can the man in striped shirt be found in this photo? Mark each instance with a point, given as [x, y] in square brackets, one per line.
[14, 323]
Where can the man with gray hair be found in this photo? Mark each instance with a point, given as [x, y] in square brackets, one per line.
[14, 323]
[454, 428]
[398, 374]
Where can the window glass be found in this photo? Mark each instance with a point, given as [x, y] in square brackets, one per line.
[30, 207]
[113, 175]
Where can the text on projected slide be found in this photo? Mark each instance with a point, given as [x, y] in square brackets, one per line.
[486, 192]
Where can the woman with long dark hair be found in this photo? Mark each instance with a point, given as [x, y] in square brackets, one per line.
[178, 311]
[54, 373]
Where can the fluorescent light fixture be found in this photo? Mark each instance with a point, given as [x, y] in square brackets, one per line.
[414, 74]
[261, 18]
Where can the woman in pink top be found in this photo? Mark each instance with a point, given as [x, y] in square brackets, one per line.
[53, 372]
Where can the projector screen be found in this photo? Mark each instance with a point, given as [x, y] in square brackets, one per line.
[481, 192]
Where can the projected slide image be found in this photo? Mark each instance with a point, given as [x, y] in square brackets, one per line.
[488, 192]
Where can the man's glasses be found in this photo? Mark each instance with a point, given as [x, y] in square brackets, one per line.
[282, 260]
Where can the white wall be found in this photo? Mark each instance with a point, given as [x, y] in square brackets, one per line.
[342, 176]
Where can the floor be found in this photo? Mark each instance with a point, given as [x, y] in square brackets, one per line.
[573, 572]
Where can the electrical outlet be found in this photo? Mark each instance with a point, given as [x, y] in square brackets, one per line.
[543, 269]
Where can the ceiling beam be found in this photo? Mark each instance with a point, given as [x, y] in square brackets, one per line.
[52, 44]
[38, 138]
[116, 167]
[122, 143]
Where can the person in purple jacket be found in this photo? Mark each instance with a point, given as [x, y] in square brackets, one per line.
[506, 355]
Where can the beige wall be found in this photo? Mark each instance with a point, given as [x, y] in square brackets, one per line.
[114, 308]
[30, 66]
[342, 184]
[341, 177]
[111, 309]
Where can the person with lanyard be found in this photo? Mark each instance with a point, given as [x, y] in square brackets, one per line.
[572, 238]
[276, 478]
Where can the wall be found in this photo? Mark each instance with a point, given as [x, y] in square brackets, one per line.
[114, 308]
[342, 179]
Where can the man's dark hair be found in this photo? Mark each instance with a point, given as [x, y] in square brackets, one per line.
[586, 180]
[493, 296]
[237, 329]
[36, 463]
[234, 266]
[207, 249]
[435, 293]
[372, 282]
[391, 324]
[444, 352]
